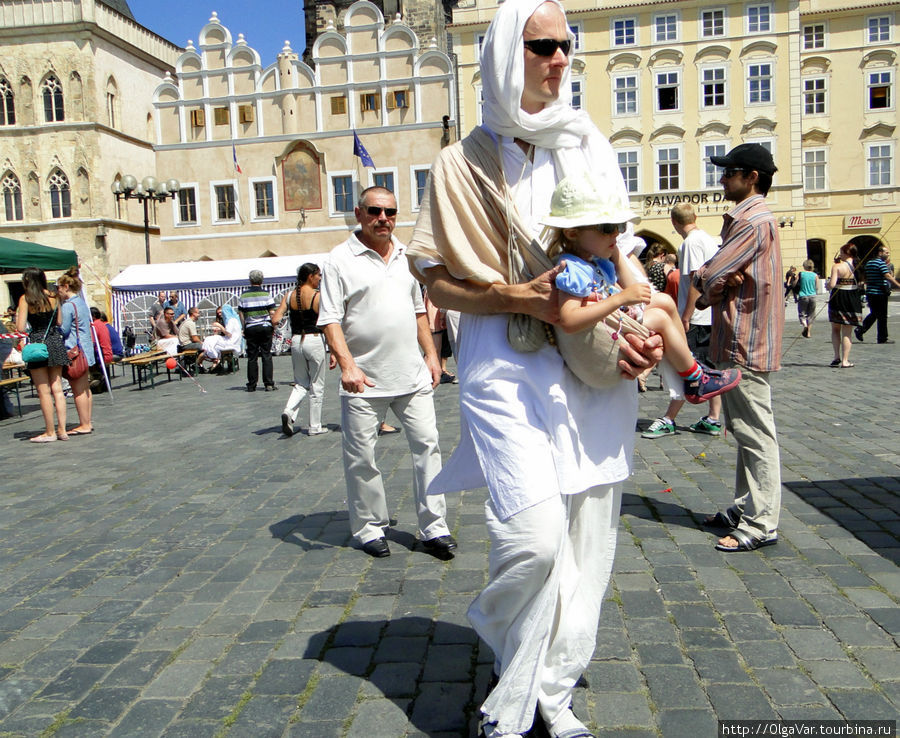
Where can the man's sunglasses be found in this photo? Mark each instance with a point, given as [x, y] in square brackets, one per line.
[375, 210]
[731, 171]
[547, 46]
[607, 229]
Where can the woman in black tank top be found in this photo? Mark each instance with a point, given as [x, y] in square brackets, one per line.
[308, 350]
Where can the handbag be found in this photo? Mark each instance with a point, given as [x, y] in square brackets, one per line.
[34, 352]
[78, 361]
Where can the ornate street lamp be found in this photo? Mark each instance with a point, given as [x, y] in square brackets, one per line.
[149, 189]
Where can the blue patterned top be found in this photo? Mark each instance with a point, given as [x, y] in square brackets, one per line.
[582, 278]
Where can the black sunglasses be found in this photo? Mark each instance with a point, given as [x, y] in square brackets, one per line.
[375, 210]
[607, 229]
[547, 46]
[731, 171]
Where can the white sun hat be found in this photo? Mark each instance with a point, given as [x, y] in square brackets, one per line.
[577, 202]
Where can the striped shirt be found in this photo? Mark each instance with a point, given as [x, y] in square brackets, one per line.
[255, 305]
[875, 270]
[747, 320]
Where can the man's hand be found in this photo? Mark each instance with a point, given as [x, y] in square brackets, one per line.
[539, 297]
[638, 354]
[332, 361]
[434, 367]
[354, 379]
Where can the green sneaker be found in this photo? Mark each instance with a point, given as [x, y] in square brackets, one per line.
[705, 425]
[659, 427]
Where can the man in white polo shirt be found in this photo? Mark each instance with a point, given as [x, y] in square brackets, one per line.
[374, 319]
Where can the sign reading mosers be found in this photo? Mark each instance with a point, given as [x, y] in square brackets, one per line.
[854, 222]
[694, 198]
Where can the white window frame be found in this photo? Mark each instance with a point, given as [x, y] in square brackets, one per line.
[678, 87]
[771, 77]
[414, 185]
[890, 32]
[214, 203]
[479, 43]
[577, 28]
[254, 216]
[818, 160]
[176, 206]
[354, 192]
[700, 31]
[889, 145]
[636, 76]
[636, 150]
[766, 142]
[892, 92]
[770, 18]
[386, 170]
[724, 82]
[811, 95]
[657, 162]
[612, 32]
[578, 79]
[479, 104]
[817, 43]
[707, 168]
[676, 31]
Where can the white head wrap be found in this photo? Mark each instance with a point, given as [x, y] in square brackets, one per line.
[503, 80]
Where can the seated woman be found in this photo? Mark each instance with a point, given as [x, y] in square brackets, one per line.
[227, 336]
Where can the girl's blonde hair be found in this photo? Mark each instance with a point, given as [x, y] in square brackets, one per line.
[557, 243]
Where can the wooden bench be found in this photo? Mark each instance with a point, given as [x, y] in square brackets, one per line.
[12, 383]
[144, 366]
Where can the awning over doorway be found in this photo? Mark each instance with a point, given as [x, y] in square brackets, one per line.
[15, 256]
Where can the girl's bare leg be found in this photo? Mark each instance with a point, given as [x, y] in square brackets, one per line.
[41, 379]
[59, 399]
[675, 347]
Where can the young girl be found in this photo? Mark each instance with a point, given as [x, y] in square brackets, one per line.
[597, 281]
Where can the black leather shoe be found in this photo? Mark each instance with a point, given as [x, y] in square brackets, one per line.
[286, 426]
[377, 548]
[441, 546]
[251, 389]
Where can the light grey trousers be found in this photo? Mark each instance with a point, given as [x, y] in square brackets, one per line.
[757, 479]
[310, 362]
[360, 418]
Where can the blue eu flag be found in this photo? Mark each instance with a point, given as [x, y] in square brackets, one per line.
[360, 151]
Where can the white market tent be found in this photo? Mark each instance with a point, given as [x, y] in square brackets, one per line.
[206, 284]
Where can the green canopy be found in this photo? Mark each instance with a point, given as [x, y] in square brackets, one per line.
[16, 256]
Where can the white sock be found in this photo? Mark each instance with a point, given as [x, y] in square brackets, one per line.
[566, 721]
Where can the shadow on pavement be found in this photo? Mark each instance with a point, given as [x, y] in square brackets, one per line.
[431, 670]
[868, 507]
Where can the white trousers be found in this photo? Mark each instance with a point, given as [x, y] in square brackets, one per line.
[169, 345]
[549, 568]
[360, 418]
[310, 362]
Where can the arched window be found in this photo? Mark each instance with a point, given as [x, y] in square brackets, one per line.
[54, 111]
[112, 102]
[60, 195]
[12, 197]
[7, 104]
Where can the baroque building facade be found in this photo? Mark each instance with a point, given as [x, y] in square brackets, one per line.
[673, 83]
[76, 82]
[265, 155]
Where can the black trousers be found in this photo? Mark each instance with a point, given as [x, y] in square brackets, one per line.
[259, 346]
[878, 305]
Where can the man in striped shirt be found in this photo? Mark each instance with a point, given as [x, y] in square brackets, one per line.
[256, 307]
[742, 284]
[877, 277]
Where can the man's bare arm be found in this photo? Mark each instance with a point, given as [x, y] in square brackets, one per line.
[537, 297]
[432, 361]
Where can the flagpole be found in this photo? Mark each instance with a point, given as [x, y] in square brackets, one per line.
[237, 171]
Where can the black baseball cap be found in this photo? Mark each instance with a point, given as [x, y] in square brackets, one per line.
[749, 157]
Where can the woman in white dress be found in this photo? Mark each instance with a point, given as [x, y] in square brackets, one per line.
[226, 336]
[552, 451]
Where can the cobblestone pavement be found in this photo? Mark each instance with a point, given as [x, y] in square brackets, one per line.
[186, 571]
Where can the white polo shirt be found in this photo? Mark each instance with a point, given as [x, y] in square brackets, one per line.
[376, 304]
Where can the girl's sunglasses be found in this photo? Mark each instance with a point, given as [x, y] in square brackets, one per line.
[547, 46]
[607, 229]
